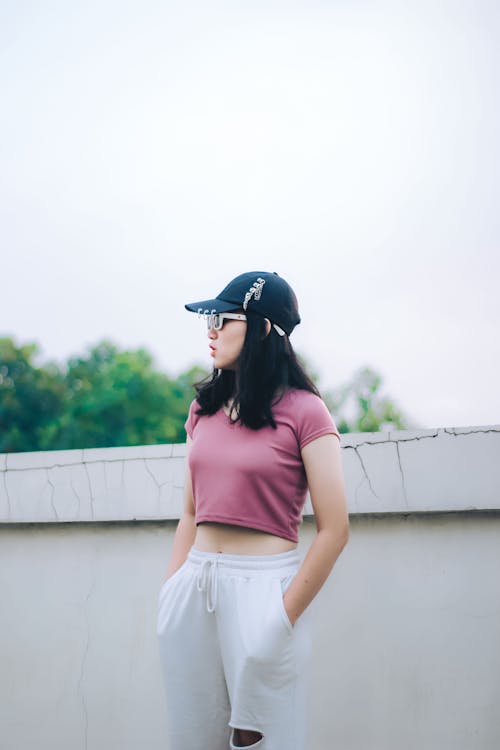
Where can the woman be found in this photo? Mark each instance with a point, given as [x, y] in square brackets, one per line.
[233, 626]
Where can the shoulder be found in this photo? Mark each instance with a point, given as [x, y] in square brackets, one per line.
[310, 415]
[296, 398]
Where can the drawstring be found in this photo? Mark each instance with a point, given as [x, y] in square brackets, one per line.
[208, 564]
[207, 579]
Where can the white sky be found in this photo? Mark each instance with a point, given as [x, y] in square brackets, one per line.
[151, 151]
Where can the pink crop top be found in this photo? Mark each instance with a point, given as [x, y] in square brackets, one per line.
[255, 478]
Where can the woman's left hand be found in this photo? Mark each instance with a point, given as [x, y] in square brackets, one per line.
[292, 619]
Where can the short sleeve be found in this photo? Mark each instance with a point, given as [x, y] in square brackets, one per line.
[313, 419]
[192, 419]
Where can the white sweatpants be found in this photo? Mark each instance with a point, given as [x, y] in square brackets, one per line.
[229, 654]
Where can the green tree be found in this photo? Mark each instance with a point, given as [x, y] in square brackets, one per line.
[31, 399]
[104, 398]
[371, 410]
[117, 398]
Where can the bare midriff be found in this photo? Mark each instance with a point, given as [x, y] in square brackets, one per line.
[238, 540]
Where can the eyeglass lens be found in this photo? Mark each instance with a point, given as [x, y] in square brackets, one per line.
[215, 321]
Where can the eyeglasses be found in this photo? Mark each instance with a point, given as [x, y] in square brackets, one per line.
[216, 320]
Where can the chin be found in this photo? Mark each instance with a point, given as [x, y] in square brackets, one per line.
[223, 365]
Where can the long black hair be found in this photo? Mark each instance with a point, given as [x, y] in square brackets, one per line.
[267, 366]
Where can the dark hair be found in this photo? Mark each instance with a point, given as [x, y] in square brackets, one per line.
[266, 365]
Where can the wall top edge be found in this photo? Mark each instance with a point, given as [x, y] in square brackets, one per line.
[49, 459]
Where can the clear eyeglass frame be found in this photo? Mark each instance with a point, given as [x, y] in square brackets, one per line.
[215, 319]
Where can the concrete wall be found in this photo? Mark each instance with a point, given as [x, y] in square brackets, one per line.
[406, 629]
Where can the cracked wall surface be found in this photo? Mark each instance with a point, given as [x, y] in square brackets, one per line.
[102, 484]
[445, 469]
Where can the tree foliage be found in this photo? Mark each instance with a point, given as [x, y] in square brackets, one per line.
[105, 397]
[31, 399]
[358, 405]
[108, 397]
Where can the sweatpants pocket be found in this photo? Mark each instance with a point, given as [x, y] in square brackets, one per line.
[171, 579]
[284, 583]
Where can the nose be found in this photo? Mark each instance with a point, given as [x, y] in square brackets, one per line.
[212, 333]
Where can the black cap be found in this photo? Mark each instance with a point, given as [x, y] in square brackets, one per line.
[262, 292]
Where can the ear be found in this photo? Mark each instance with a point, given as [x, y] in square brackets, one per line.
[268, 328]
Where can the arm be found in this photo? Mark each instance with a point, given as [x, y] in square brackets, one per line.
[186, 528]
[323, 465]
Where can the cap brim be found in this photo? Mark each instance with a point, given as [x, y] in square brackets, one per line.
[211, 305]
